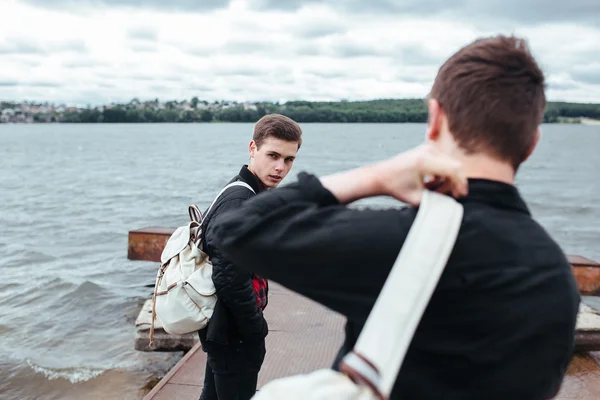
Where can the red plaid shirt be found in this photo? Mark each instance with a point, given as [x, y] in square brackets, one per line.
[261, 289]
[261, 285]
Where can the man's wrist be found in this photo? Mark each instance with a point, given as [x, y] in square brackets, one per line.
[373, 175]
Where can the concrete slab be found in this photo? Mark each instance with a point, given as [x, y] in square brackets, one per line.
[162, 340]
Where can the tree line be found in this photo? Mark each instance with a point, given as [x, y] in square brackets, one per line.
[385, 110]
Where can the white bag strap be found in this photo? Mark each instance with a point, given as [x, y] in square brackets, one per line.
[387, 334]
[196, 215]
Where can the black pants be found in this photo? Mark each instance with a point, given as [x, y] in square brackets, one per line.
[231, 370]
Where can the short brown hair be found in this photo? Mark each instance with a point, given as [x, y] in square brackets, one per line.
[278, 126]
[492, 91]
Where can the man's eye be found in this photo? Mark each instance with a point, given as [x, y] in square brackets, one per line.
[273, 156]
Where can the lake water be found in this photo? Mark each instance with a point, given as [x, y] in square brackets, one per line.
[69, 194]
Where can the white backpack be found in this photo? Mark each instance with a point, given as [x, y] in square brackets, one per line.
[184, 294]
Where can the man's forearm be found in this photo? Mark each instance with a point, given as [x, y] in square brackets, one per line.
[403, 177]
[352, 185]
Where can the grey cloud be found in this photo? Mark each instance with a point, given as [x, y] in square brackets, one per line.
[84, 63]
[328, 74]
[145, 33]
[288, 80]
[195, 50]
[44, 84]
[150, 77]
[246, 47]
[160, 88]
[413, 55]
[144, 47]
[406, 55]
[415, 78]
[105, 75]
[77, 46]
[20, 60]
[171, 5]
[110, 76]
[319, 30]
[351, 50]
[239, 71]
[16, 45]
[492, 10]
[30, 84]
[587, 76]
[182, 69]
[562, 86]
[232, 47]
[200, 88]
[307, 49]
[20, 46]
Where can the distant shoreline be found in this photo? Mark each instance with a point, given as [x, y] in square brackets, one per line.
[195, 110]
[587, 122]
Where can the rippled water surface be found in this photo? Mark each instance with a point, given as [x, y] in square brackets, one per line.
[69, 194]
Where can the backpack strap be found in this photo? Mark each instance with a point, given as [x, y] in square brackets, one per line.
[196, 215]
[382, 344]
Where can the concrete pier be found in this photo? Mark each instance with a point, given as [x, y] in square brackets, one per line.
[305, 336]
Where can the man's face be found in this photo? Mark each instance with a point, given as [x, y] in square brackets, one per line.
[273, 160]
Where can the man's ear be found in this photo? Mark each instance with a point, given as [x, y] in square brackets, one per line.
[252, 148]
[434, 124]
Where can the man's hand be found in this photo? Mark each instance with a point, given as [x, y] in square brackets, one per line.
[403, 177]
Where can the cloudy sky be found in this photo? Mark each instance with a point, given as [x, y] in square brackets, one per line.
[100, 51]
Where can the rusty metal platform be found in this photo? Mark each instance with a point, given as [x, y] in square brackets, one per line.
[147, 244]
[303, 336]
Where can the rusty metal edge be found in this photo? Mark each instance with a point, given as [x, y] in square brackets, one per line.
[587, 341]
[154, 230]
[578, 261]
[167, 378]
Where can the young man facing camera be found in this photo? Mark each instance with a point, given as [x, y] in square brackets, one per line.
[234, 339]
[501, 321]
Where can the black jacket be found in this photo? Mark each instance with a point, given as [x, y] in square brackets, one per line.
[501, 322]
[237, 316]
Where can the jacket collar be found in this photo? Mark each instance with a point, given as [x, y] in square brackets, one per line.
[251, 179]
[500, 194]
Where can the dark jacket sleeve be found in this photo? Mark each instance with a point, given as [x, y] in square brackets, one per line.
[234, 286]
[300, 236]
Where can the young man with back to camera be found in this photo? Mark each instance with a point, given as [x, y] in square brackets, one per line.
[234, 339]
[501, 321]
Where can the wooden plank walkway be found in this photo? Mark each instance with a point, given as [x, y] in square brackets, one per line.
[303, 336]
